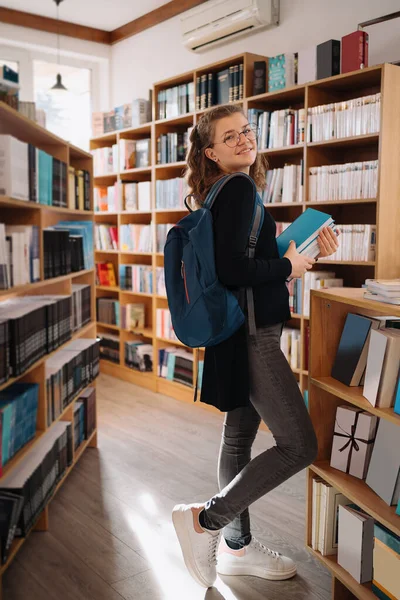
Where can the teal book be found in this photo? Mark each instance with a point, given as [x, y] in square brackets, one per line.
[304, 230]
[397, 397]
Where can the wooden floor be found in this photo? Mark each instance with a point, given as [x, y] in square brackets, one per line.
[111, 536]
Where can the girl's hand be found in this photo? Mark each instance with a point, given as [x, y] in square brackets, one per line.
[327, 242]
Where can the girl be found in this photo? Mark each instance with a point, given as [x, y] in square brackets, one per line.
[247, 376]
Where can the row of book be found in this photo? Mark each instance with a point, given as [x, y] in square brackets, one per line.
[278, 128]
[133, 316]
[136, 238]
[175, 101]
[284, 185]
[128, 154]
[134, 154]
[109, 347]
[346, 181]
[18, 416]
[316, 280]
[172, 147]
[33, 326]
[164, 328]
[366, 549]
[31, 174]
[123, 197]
[348, 118]
[68, 371]
[105, 274]
[136, 278]
[219, 87]
[291, 346]
[309, 64]
[295, 289]
[161, 235]
[357, 243]
[108, 311]
[368, 354]
[19, 255]
[126, 116]
[138, 356]
[171, 193]
[106, 236]
[67, 247]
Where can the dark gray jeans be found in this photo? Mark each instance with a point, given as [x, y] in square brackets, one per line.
[277, 400]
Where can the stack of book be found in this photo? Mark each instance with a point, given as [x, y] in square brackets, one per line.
[105, 274]
[304, 231]
[175, 101]
[348, 118]
[284, 185]
[172, 147]
[133, 316]
[67, 247]
[136, 278]
[136, 238]
[109, 347]
[106, 236]
[346, 181]
[356, 243]
[171, 193]
[325, 502]
[79, 191]
[59, 317]
[107, 199]
[18, 412]
[278, 128]
[108, 311]
[19, 255]
[383, 290]
[81, 305]
[68, 371]
[26, 490]
[139, 356]
[317, 280]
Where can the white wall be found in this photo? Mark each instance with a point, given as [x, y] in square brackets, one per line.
[157, 53]
[25, 45]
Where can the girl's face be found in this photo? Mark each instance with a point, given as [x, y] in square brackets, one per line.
[234, 147]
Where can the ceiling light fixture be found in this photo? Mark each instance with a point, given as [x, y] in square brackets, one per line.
[58, 86]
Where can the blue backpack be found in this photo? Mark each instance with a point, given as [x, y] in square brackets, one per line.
[203, 311]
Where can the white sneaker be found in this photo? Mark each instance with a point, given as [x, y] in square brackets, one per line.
[254, 559]
[198, 545]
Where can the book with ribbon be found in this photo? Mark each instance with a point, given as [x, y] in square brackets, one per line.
[353, 440]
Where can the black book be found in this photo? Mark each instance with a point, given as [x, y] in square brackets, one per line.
[223, 87]
[241, 81]
[211, 90]
[198, 92]
[328, 59]
[260, 77]
[32, 173]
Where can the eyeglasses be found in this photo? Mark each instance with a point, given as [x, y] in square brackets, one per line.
[232, 139]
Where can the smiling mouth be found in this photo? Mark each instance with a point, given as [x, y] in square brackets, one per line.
[246, 151]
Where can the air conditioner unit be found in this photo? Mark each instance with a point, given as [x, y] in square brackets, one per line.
[217, 21]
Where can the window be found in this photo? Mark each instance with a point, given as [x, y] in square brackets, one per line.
[68, 113]
[9, 63]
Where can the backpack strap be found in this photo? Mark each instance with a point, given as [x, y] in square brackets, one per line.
[255, 228]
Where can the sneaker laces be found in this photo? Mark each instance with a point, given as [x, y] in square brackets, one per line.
[212, 549]
[261, 548]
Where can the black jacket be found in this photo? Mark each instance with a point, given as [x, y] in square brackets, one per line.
[226, 381]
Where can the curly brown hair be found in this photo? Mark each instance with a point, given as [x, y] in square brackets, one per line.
[201, 172]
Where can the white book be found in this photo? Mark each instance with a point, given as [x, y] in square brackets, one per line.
[383, 365]
[14, 168]
[316, 504]
[356, 540]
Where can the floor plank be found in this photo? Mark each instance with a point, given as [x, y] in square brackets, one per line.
[111, 535]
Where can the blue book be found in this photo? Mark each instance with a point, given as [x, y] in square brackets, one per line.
[303, 231]
[397, 398]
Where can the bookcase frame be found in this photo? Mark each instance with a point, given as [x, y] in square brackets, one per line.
[384, 210]
[329, 309]
[14, 211]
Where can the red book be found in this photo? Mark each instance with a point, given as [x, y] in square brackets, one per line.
[354, 51]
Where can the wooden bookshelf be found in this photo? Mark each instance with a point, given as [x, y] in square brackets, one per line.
[384, 210]
[329, 309]
[15, 211]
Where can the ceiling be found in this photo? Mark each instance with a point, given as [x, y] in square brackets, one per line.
[101, 14]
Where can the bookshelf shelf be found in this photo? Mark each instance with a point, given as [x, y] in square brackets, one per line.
[361, 591]
[353, 395]
[135, 171]
[108, 326]
[383, 209]
[15, 211]
[358, 140]
[329, 309]
[168, 341]
[133, 293]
